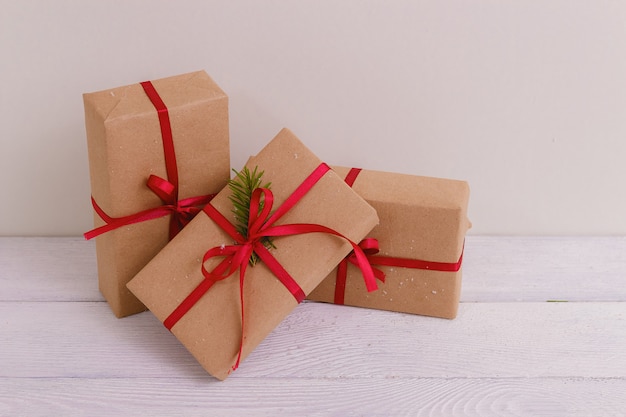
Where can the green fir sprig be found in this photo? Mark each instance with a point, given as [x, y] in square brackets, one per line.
[242, 186]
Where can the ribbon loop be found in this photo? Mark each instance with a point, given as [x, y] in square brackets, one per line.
[260, 206]
[370, 248]
[164, 189]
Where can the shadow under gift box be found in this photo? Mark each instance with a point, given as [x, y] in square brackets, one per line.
[125, 147]
[212, 329]
[421, 218]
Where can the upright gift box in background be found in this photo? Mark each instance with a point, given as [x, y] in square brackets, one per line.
[212, 327]
[421, 235]
[156, 151]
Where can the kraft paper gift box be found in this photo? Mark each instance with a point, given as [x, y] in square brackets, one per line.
[171, 135]
[423, 222]
[212, 328]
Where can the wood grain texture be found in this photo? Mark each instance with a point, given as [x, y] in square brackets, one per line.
[494, 269]
[544, 268]
[84, 340]
[508, 353]
[270, 397]
[48, 269]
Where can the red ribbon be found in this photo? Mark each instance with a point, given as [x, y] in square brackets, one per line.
[370, 247]
[260, 225]
[167, 190]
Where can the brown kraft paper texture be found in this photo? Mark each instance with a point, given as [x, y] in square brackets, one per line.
[125, 147]
[420, 218]
[211, 329]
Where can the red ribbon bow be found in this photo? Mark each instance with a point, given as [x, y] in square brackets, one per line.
[182, 211]
[261, 224]
[370, 247]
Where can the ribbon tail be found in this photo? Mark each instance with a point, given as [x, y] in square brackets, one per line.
[301, 228]
[242, 273]
[193, 297]
[366, 268]
[175, 227]
[277, 269]
[340, 283]
[117, 222]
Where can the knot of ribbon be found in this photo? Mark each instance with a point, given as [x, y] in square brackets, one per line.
[261, 224]
[182, 211]
[370, 248]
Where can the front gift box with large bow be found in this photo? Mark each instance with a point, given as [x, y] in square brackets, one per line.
[204, 286]
[158, 151]
[417, 248]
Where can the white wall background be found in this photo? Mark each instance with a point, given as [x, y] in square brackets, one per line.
[526, 100]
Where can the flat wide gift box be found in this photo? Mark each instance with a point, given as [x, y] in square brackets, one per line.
[157, 152]
[420, 239]
[189, 287]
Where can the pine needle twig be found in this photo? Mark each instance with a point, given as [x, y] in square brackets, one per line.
[242, 186]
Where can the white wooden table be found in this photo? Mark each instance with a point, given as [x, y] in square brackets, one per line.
[510, 352]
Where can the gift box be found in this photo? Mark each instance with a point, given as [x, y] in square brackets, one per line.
[417, 247]
[201, 285]
[158, 151]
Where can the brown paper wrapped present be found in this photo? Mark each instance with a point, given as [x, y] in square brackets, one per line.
[157, 151]
[423, 222]
[214, 327]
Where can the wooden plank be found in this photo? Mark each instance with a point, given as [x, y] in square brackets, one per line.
[62, 352]
[375, 396]
[495, 269]
[519, 268]
[48, 269]
[84, 340]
